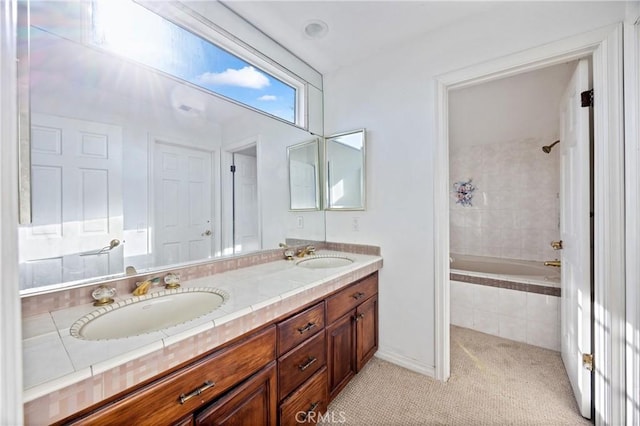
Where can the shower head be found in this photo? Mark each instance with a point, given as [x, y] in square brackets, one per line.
[547, 148]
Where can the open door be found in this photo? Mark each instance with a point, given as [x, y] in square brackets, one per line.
[575, 231]
[246, 236]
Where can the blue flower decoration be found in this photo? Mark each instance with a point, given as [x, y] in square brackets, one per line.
[464, 192]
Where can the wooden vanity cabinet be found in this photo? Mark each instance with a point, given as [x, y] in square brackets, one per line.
[352, 331]
[302, 366]
[252, 403]
[286, 373]
[171, 399]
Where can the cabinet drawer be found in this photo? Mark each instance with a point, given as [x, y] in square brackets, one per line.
[306, 404]
[174, 396]
[350, 297]
[300, 327]
[300, 364]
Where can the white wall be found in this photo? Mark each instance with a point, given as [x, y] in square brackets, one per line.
[392, 95]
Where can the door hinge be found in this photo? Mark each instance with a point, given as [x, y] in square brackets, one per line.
[587, 361]
[233, 169]
[586, 98]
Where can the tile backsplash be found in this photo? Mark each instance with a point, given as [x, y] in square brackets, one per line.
[515, 209]
[42, 303]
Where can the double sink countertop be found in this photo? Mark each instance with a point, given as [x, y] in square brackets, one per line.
[53, 359]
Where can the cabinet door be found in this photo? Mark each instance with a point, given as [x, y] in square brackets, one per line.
[366, 331]
[252, 403]
[340, 353]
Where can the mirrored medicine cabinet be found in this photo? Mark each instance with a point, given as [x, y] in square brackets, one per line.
[304, 176]
[343, 179]
[345, 171]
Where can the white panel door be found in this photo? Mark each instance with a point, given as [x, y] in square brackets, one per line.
[76, 176]
[575, 231]
[183, 210]
[245, 206]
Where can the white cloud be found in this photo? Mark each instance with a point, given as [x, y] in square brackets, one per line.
[268, 98]
[245, 77]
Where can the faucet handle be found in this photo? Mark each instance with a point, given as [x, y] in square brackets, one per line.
[311, 250]
[171, 280]
[103, 295]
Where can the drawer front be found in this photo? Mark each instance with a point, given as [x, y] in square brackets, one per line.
[300, 327]
[171, 398]
[350, 297]
[306, 405]
[300, 364]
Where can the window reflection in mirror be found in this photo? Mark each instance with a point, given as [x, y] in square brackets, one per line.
[345, 168]
[124, 152]
[304, 176]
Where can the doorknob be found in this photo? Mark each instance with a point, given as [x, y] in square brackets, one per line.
[557, 245]
[206, 233]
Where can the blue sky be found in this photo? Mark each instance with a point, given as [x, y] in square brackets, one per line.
[133, 31]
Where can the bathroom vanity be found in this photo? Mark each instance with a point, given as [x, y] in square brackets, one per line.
[286, 373]
[279, 362]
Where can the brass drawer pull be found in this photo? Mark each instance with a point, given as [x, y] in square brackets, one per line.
[309, 411]
[358, 317]
[306, 365]
[206, 385]
[359, 295]
[307, 327]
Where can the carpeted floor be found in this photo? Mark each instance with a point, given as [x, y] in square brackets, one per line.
[493, 381]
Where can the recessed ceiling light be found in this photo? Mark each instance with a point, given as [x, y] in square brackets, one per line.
[316, 29]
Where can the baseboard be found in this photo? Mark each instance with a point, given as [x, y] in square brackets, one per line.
[408, 363]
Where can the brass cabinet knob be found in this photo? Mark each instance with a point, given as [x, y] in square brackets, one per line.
[557, 245]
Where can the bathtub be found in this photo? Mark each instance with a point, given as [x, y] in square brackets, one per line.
[507, 270]
[513, 299]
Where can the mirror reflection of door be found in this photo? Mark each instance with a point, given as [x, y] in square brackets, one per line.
[77, 202]
[183, 204]
[245, 201]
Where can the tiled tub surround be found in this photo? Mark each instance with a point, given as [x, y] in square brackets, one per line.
[517, 308]
[63, 374]
[515, 207]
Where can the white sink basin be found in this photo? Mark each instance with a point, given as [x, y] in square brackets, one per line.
[144, 314]
[324, 262]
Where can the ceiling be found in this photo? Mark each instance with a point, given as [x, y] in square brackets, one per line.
[357, 29]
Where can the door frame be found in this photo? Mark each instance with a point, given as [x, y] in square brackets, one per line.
[226, 183]
[153, 140]
[632, 182]
[604, 46]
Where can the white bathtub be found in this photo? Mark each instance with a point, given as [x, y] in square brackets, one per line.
[523, 271]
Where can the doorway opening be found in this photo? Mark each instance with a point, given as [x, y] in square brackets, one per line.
[519, 167]
[604, 48]
[241, 207]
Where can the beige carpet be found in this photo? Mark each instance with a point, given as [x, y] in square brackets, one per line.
[493, 381]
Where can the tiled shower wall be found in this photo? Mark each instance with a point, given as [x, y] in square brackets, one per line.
[515, 207]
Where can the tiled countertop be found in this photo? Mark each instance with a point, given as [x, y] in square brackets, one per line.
[53, 359]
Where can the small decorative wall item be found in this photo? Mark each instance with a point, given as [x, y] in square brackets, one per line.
[464, 192]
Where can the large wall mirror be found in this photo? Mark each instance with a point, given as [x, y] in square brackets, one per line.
[345, 169]
[304, 177]
[134, 167]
